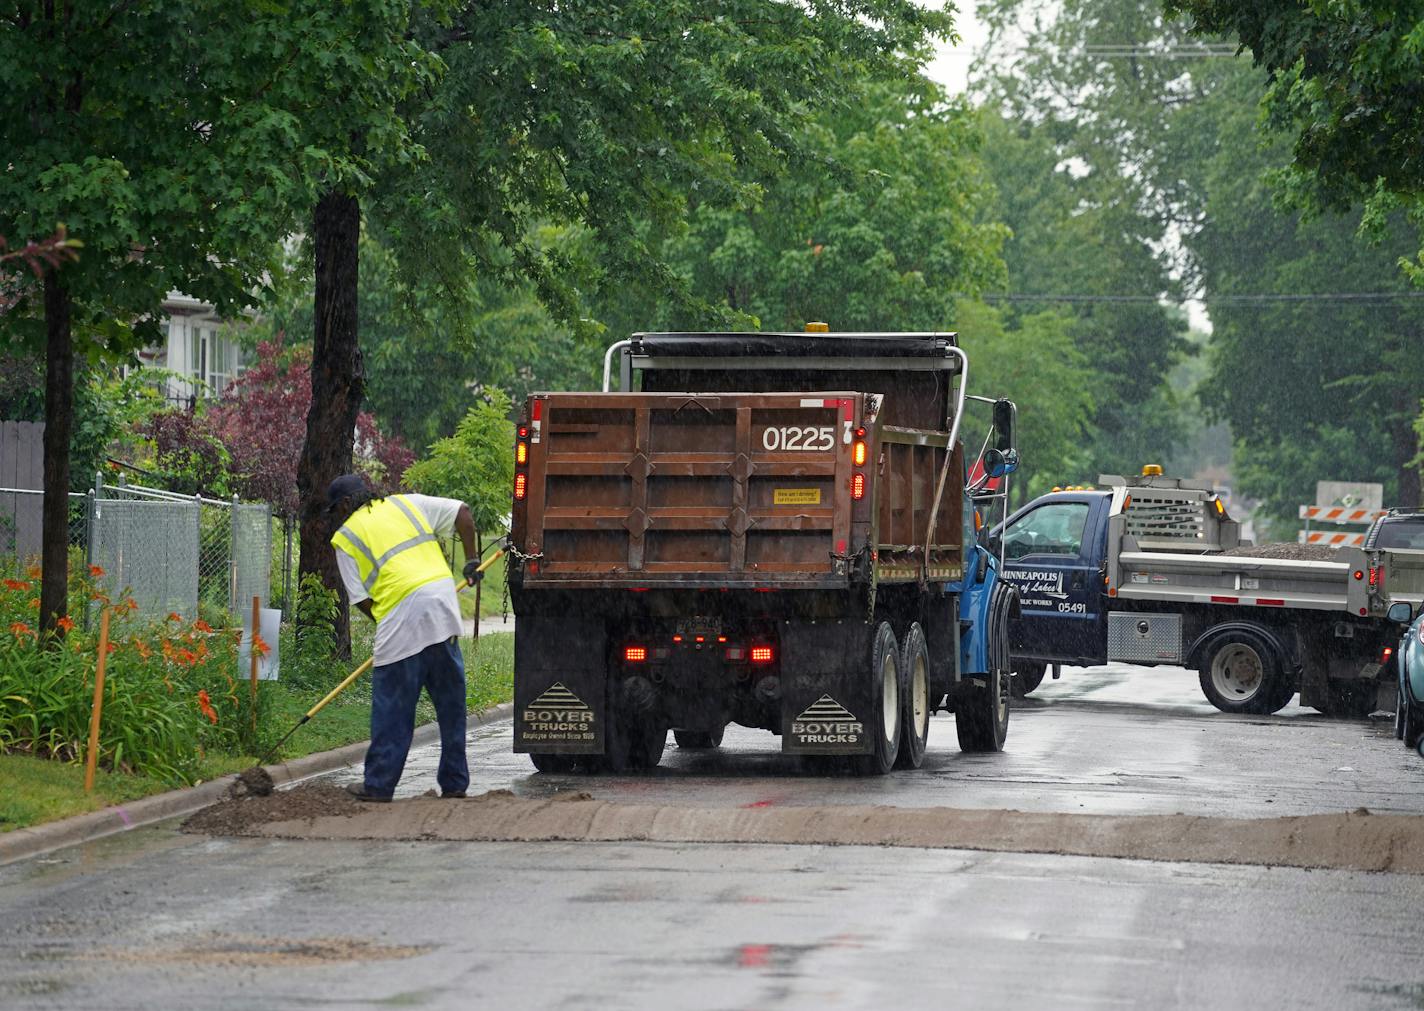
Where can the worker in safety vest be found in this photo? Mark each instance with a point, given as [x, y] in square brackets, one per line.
[388, 550]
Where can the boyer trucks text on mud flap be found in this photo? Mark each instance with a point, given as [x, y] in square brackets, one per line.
[1151, 570]
[763, 529]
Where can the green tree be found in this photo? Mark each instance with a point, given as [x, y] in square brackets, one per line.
[176, 141]
[1342, 83]
[475, 465]
[1038, 365]
[874, 227]
[1082, 249]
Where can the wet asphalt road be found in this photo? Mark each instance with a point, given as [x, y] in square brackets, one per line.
[157, 919]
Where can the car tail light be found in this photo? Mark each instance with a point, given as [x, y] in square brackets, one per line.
[635, 654]
[762, 654]
[857, 486]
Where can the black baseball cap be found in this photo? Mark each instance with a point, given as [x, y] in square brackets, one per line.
[345, 486]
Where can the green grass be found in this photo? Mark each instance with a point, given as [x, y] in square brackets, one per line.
[35, 790]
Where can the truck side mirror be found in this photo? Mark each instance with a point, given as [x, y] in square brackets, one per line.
[1005, 414]
[997, 463]
[1400, 612]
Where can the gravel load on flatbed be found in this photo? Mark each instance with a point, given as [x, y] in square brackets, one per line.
[1296, 552]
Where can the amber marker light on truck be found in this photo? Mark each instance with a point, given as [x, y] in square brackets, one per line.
[858, 454]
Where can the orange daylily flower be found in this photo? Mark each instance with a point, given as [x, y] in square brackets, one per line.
[19, 630]
[96, 571]
[174, 616]
[65, 623]
[201, 626]
[262, 648]
[34, 572]
[205, 706]
[16, 584]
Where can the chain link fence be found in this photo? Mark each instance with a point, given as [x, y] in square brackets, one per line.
[174, 554]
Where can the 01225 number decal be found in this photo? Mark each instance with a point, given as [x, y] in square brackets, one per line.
[795, 437]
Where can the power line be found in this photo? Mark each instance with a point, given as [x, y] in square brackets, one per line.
[1262, 298]
[1179, 52]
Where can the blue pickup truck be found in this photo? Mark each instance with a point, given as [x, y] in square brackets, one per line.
[1153, 571]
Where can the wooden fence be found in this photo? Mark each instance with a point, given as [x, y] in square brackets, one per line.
[21, 468]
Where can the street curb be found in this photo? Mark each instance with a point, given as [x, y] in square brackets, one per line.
[28, 842]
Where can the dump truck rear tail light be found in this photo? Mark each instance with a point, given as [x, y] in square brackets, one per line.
[858, 454]
[1374, 577]
[524, 431]
[521, 485]
[762, 654]
[1386, 654]
[537, 411]
[857, 487]
[635, 654]
[521, 454]
[1359, 574]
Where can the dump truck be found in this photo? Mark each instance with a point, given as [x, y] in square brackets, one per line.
[1153, 571]
[766, 529]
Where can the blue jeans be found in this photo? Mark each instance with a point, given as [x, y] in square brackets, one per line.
[395, 688]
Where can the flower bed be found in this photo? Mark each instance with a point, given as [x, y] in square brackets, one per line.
[170, 692]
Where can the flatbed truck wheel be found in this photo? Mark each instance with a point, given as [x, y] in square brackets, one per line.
[698, 740]
[553, 764]
[1028, 675]
[914, 699]
[1241, 672]
[883, 721]
[981, 711]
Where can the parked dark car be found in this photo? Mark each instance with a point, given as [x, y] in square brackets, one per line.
[1408, 662]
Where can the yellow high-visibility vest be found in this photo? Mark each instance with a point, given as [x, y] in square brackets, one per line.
[395, 550]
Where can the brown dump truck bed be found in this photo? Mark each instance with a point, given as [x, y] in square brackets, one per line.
[730, 490]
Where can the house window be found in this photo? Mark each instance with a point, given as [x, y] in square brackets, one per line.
[213, 359]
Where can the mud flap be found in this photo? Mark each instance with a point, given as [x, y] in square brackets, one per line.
[827, 699]
[559, 686]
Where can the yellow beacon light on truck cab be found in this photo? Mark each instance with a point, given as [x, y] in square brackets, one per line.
[1152, 470]
[818, 328]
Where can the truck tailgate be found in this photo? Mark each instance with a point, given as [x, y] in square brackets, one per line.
[729, 489]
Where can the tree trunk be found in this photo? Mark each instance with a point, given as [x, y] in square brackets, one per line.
[337, 386]
[1406, 448]
[59, 420]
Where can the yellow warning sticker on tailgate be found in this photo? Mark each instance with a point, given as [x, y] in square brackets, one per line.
[796, 496]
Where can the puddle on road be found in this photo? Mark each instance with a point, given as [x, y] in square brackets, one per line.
[1357, 840]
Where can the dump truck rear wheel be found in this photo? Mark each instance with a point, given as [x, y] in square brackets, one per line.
[883, 722]
[914, 699]
[553, 764]
[698, 740]
[1242, 673]
[1028, 675]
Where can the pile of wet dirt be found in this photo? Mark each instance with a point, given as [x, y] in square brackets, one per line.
[256, 781]
[1357, 840]
[1296, 552]
[266, 952]
[240, 814]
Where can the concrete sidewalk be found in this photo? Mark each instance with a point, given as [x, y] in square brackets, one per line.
[490, 626]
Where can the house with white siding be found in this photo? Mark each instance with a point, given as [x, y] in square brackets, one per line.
[198, 348]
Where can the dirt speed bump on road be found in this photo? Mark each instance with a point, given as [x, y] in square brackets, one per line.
[1358, 840]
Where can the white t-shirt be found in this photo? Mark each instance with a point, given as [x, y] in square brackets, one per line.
[429, 614]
